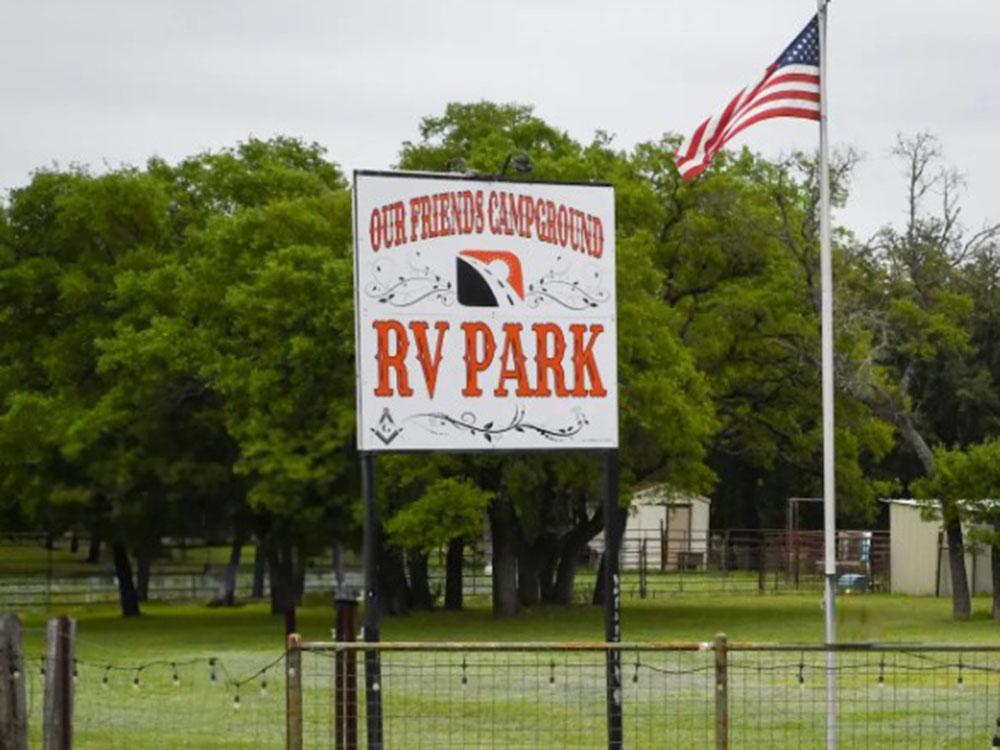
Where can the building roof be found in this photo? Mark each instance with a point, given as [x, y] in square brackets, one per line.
[662, 493]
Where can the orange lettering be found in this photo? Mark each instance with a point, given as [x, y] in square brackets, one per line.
[396, 360]
[546, 360]
[474, 364]
[512, 361]
[430, 366]
[583, 361]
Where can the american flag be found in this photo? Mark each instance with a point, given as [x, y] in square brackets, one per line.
[789, 88]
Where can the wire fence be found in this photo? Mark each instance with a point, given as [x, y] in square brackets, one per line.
[555, 696]
[535, 695]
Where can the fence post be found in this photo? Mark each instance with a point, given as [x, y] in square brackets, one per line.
[346, 676]
[293, 693]
[57, 733]
[13, 707]
[721, 693]
[642, 568]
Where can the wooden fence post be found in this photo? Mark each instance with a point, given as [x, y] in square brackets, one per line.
[57, 732]
[721, 693]
[293, 693]
[13, 707]
[346, 676]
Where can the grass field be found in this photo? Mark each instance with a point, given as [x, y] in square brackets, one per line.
[672, 699]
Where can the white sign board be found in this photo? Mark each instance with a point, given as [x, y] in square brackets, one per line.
[485, 314]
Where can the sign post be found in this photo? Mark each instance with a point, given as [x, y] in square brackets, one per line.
[485, 321]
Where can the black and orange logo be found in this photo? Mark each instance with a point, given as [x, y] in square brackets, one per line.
[489, 278]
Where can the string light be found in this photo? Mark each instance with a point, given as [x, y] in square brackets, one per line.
[961, 682]
[263, 685]
[802, 676]
[212, 677]
[236, 699]
[881, 673]
[176, 679]
[135, 680]
[107, 677]
[552, 673]
[635, 676]
[465, 677]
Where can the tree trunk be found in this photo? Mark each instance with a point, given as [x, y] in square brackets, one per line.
[298, 562]
[529, 584]
[259, 568]
[127, 595]
[573, 546]
[502, 528]
[621, 517]
[94, 550]
[420, 589]
[143, 563]
[232, 569]
[393, 588]
[961, 603]
[995, 565]
[279, 571]
[597, 596]
[453, 597]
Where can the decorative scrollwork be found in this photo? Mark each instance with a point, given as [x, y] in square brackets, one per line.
[417, 282]
[573, 294]
[440, 423]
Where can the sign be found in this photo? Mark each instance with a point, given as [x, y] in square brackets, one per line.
[484, 313]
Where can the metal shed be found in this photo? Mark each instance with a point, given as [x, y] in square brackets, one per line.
[918, 552]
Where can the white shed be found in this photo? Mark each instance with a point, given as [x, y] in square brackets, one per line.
[918, 552]
[669, 528]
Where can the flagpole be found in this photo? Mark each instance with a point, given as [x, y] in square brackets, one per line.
[826, 316]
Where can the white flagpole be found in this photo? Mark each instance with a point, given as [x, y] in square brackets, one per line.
[826, 316]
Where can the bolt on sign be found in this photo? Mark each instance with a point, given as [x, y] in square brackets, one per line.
[484, 313]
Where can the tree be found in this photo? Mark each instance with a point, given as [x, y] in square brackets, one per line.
[69, 237]
[968, 482]
[739, 250]
[905, 294]
[450, 509]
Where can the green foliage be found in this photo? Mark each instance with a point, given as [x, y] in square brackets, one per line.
[450, 508]
[967, 482]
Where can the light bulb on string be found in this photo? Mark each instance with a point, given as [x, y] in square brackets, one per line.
[960, 682]
[212, 676]
[107, 677]
[465, 677]
[176, 678]
[236, 700]
[881, 674]
[802, 676]
[635, 675]
[552, 674]
[263, 686]
[135, 680]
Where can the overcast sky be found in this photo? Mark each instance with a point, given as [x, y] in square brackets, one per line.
[106, 82]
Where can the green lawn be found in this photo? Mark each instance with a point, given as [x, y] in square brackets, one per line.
[534, 699]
